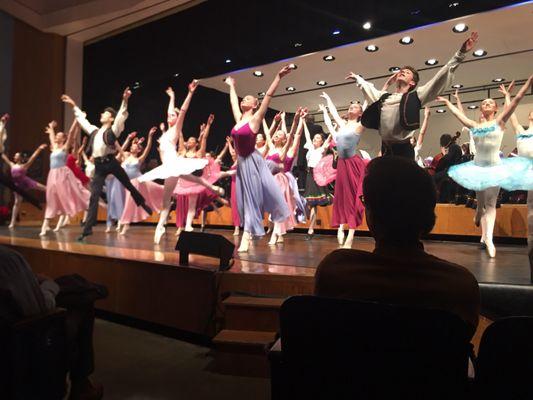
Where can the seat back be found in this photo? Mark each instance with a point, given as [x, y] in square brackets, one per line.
[505, 359]
[336, 348]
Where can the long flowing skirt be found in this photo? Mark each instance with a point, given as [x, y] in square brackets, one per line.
[324, 173]
[347, 205]
[116, 196]
[65, 195]
[314, 194]
[153, 196]
[288, 223]
[182, 206]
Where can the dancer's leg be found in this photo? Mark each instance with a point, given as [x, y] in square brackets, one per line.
[478, 217]
[15, 211]
[59, 224]
[168, 189]
[530, 229]
[340, 235]
[96, 190]
[191, 211]
[46, 227]
[488, 219]
[40, 187]
[349, 239]
[312, 221]
[203, 182]
[245, 242]
[236, 231]
[124, 229]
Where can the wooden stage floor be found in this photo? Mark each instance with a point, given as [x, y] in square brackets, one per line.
[295, 258]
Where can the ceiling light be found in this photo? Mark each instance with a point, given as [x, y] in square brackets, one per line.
[176, 74]
[290, 88]
[454, 4]
[367, 25]
[371, 48]
[394, 69]
[261, 94]
[415, 12]
[328, 58]
[336, 32]
[258, 73]
[457, 86]
[459, 28]
[293, 66]
[441, 110]
[298, 44]
[321, 83]
[432, 61]
[136, 85]
[480, 53]
[406, 40]
[498, 80]
[228, 60]
[472, 107]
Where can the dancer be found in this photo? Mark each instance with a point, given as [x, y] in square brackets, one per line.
[173, 166]
[101, 147]
[383, 113]
[315, 195]
[257, 191]
[151, 191]
[524, 147]
[487, 172]
[65, 195]
[347, 205]
[19, 169]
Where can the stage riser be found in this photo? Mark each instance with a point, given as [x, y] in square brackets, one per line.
[511, 220]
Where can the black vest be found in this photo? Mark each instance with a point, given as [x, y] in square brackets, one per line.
[410, 106]
[109, 140]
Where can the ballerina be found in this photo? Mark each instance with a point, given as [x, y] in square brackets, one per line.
[257, 191]
[19, 169]
[487, 172]
[174, 166]
[347, 206]
[65, 195]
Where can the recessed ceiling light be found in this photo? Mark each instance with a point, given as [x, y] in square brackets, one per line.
[298, 44]
[290, 88]
[228, 60]
[321, 83]
[394, 69]
[406, 40]
[371, 48]
[328, 58]
[176, 74]
[336, 32]
[258, 73]
[480, 53]
[415, 12]
[441, 110]
[498, 80]
[261, 94]
[459, 28]
[367, 25]
[432, 61]
[454, 4]
[457, 86]
[472, 107]
[293, 66]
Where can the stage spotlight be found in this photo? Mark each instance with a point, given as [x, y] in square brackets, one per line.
[367, 25]
[336, 32]
[328, 58]
[441, 110]
[457, 86]
[321, 83]
[228, 60]
[371, 48]
[261, 94]
[459, 28]
[258, 73]
[406, 40]
[498, 80]
[290, 88]
[472, 107]
[480, 53]
[394, 69]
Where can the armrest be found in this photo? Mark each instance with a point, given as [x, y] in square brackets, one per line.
[39, 320]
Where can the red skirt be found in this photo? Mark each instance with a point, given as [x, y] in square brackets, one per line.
[347, 206]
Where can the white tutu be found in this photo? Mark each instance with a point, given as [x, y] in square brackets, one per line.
[174, 168]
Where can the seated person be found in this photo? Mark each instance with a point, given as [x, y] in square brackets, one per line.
[400, 201]
[32, 295]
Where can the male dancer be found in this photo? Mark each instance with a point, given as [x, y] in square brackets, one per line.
[101, 146]
[395, 127]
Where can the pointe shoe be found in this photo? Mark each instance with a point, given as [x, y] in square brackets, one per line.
[340, 237]
[159, 232]
[57, 228]
[107, 229]
[11, 226]
[178, 232]
[236, 231]
[44, 232]
[347, 245]
[119, 227]
[245, 245]
[66, 221]
[273, 240]
[124, 229]
[280, 239]
[491, 250]
[189, 229]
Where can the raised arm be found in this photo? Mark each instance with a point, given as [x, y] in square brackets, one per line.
[458, 102]
[171, 101]
[509, 109]
[7, 160]
[233, 99]
[308, 139]
[128, 140]
[333, 109]
[369, 90]
[3, 132]
[71, 135]
[283, 122]
[185, 106]
[122, 114]
[458, 114]
[203, 142]
[149, 143]
[273, 128]
[34, 156]
[222, 154]
[80, 116]
[424, 127]
[231, 149]
[327, 120]
[255, 122]
[298, 135]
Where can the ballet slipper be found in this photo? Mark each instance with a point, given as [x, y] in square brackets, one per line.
[236, 231]
[59, 224]
[159, 232]
[124, 229]
[340, 237]
[66, 221]
[245, 243]
[45, 228]
[273, 240]
[347, 244]
[11, 226]
[178, 231]
[280, 239]
[108, 229]
[119, 227]
[189, 229]
[491, 249]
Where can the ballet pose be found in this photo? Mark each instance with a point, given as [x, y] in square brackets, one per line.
[257, 191]
[487, 172]
[173, 166]
[347, 206]
[19, 169]
[65, 195]
[383, 113]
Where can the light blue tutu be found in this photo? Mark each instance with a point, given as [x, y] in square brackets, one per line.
[510, 174]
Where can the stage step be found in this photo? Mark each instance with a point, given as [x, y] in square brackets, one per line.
[249, 313]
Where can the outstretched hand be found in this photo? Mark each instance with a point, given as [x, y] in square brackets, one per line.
[285, 70]
[325, 96]
[43, 146]
[126, 94]
[152, 131]
[162, 127]
[303, 113]
[67, 99]
[230, 81]
[170, 91]
[132, 135]
[442, 99]
[468, 45]
[4, 117]
[352, 76]
[277, 117]
[322, 107]
[210, 119]
[193, 85]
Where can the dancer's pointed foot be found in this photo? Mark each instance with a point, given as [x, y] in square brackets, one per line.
[347, 244]
[189, 229]
[179, 230]
[11, 226]
[124, 229]
[280, 239]
[107, 229]
[491, 249]
[159, 232]
[245, 244]
[44, 232]
[236, 231]
[273, 240]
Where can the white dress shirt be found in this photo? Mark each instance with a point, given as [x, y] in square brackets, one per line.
[314, 155]
[100, 149]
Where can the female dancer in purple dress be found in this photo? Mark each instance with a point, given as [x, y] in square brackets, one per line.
[19, 168]
[257, 191]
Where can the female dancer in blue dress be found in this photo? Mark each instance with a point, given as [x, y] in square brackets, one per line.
[257, 190]
[487, 172]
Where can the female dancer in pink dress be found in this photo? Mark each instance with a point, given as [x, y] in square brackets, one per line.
[65, 195]
[174, 166]
[19, 168]
[257, 191]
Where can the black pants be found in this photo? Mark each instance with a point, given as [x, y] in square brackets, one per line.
[402, 149]
[103, 167]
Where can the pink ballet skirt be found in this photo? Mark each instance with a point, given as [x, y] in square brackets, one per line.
[211, 173]
[153, 196]
[347, 205]
[20, 180]
[182, 206]
[290, 222]
[65, 194]
[324, 173]
[233, 200]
